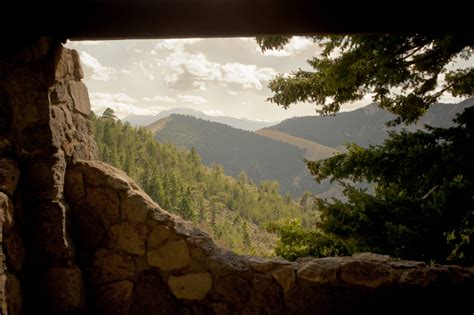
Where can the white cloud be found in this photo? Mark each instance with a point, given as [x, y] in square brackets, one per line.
[176, 44]
[247, 75]
[147, 72]
[296, 45]
[198, 65]
[171, 75]
[116, 97]
[232, 92]
[195, 64]
[191, 99]
[213, 112]
[122, 104]
[123, 110]
[274, 53]
[449, 98]
[158, 98]
[93, 69]
[178, 62]
[199, 85]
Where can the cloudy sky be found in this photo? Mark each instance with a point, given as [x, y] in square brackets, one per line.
[220, 76]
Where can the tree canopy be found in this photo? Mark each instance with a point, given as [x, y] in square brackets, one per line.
[109, 114]
[404, 73]
[422, 206]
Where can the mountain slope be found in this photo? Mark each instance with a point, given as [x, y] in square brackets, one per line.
[236, 150]
[363, 126]
[313, 151]
[244, 124]
[158, 125]
[232, 211]
[140, 120]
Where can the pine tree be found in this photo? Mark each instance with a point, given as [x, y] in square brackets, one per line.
[109, 114]
[246, 241]
[422, 207]
[243, 178]
[185, 209]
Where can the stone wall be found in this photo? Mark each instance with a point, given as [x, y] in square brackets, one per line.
[12, 253]
[80, 237]
[139, 259]
[44, 108]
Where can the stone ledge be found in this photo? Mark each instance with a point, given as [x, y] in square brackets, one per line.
[201, 275]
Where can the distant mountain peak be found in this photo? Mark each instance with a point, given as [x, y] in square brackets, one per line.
[238, 123]
[372, 109]
[365, 125]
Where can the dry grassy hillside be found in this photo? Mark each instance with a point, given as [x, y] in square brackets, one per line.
[158, 125]
[313, 150]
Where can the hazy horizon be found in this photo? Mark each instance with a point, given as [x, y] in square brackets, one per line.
[217, 76]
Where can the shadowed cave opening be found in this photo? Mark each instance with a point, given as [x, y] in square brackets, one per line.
[95, 243]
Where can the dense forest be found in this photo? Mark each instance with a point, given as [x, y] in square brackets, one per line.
[233, 211]
[262, 158]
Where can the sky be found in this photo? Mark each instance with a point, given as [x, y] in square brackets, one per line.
[218, 76]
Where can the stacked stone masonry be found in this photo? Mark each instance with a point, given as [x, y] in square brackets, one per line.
[43, 108]
[80, 237]
[143, 260]
[12, 253]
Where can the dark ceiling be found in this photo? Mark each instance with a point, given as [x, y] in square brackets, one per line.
[117, 19]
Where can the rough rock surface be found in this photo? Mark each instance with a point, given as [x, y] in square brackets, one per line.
[192, 286]
[64, 289]
[43, 109]
[9, 176]
[115, 298]
[155, 296]
[11, 244]
[172, 255]
[165, 256]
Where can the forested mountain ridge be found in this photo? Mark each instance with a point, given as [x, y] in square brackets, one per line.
[260, 157]
[232, 211]
[239, 123]
[281, 156]
[364, 126]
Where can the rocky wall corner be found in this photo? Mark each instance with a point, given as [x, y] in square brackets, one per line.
[43, 111]
[80, 237]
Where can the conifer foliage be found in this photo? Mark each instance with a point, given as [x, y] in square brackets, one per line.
[232, 211]
[423, 202]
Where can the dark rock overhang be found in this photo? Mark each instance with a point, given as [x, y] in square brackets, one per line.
[120, 19]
